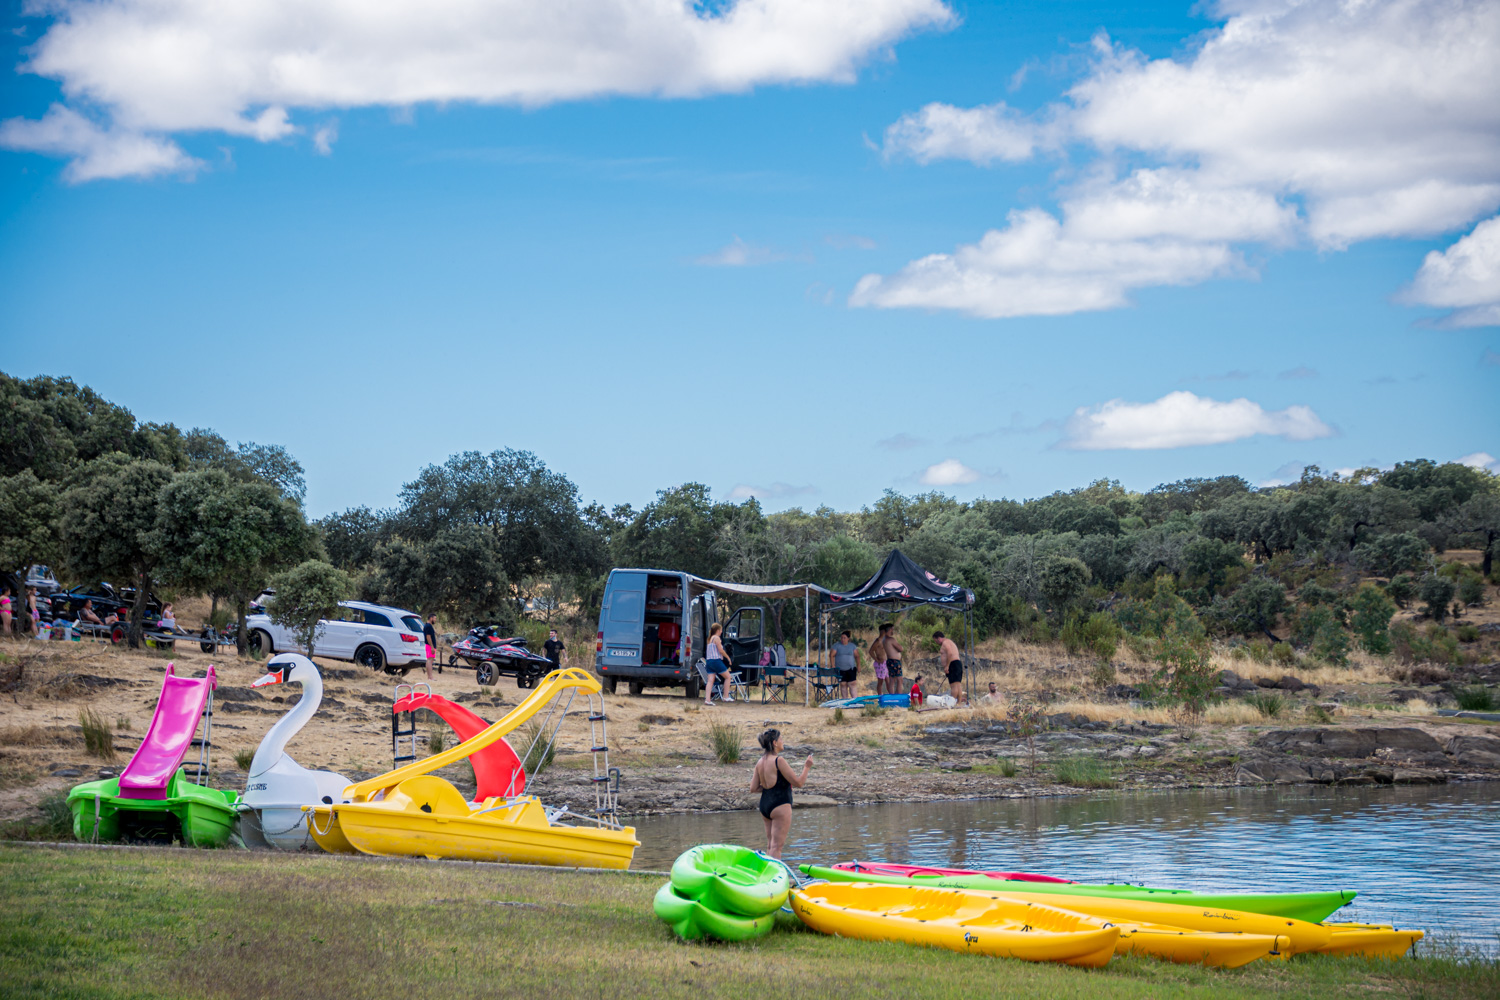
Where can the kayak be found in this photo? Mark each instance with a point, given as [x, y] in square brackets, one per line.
[956, 920]
[1311, 907]
[731, 879]
[918, 871]
[692, 921]
[1370, 940]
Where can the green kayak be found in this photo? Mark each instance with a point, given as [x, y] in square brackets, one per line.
[693, 921]
[733, 880]
[1314, 907]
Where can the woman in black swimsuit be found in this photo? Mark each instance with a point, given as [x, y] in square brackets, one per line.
[775, 779]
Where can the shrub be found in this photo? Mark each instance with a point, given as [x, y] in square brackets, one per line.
[1433, 645]
[1319, 714]
[98, 741]
[1083, 772]
[1098, 634]
[1468, 633]
[1266, 703]
[1102, 674]
[868, 711]
[837, 718]
[539, 749]
[724, 738]
[1259, 650]
[1373, 609]
[1007, 767]
[1283, 653]
[436, 741]
[1402, 589]
[1471, 590]
[1436, 593]
[1475, 699]
[56, 821]
[243, 759]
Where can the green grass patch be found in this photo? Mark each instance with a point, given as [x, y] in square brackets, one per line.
[1083, 772]
[1477, 698]
[227, 925]
[724, 740]
[869, 711]
[98, 740]
[1267, 704]
[1004, 767]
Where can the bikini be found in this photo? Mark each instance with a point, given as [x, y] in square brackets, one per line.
[779, 794]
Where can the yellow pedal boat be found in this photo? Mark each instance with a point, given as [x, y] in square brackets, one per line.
[956, 920]
[409, 812]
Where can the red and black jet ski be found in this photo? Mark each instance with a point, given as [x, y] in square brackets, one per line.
[494, 654]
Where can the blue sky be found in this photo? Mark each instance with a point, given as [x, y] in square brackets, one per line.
[702, 261]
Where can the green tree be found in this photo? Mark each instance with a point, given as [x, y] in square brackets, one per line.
[352, 537]
[1063, 581]
[457, 575]
[306, 596]
[1371, 621]
[1212, 560]
[1436, 593]
[843, 563]
[1256, 605]
[29, 516]
[1389, 555]
[680, 530]
[1402, 589]
[108, 522]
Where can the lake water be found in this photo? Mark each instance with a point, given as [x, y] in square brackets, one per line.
[1425, 856]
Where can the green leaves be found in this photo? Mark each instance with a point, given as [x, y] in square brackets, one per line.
[305, 596]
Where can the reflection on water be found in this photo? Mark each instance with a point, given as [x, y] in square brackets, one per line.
[1420, 856]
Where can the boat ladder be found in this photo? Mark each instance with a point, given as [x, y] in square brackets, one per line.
[406, 730]
[205, 743]
[606, 779]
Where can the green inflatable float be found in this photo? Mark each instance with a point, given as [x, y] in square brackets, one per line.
[723, 891]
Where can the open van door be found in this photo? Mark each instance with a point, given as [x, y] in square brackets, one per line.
[744, 635]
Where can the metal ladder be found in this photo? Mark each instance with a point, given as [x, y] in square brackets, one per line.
[206, 742]
[606, 779]
[410, 732]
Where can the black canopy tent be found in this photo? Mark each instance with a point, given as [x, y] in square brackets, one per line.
[900, 585]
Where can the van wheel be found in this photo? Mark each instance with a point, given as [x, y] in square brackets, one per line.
[636, 687]
[610, 683]
[692, 689]
[371, 656]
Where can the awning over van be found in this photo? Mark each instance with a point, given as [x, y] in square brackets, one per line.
[698, 584]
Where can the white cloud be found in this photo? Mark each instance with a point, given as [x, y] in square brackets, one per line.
[1301, 371]
[1481, 460]
[168, 66]
[1464, 278]
[96, 152]
[738, 253]
[900, 442]
[1180, 419]
[948, 472]
[1324, 120]
[1034, 268]
[775, 491]
[983, 134]
[324, 138]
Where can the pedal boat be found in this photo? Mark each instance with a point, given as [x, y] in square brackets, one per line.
[956, 920]
[409, 812]
[731, 879]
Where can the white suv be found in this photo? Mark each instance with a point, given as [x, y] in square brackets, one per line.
[371, 635]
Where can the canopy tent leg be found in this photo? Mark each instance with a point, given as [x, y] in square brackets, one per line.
[806, 644]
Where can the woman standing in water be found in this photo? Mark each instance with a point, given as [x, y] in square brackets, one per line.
[775, 779]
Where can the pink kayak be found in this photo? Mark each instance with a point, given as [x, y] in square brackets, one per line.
[918, 871]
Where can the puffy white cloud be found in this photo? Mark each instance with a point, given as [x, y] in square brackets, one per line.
[983, 134]
[1464, 278]
[1328, 120]
[949, 472]
[96, 152]
[166, 66]
[1481, 460]
[1180, 419]
[324, 138]
[1034, 267]
[775, 491]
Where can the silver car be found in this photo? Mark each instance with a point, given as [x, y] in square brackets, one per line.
[372, 635]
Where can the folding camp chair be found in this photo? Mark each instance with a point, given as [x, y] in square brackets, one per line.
[825, 685]
[737, 688]
[774, 682]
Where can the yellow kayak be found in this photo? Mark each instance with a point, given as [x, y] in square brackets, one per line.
[426, 816]
[1370, 940]
[956, 920]
[1296, 935]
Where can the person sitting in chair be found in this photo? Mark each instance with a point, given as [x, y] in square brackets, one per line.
[86, 614]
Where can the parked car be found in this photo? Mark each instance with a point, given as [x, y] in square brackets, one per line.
[42, 578]
[653, 630]
[107, 600]
[372, 635]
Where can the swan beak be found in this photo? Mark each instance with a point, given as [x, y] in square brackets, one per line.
[275, 677]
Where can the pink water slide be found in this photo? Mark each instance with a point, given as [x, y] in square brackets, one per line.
[170, 737]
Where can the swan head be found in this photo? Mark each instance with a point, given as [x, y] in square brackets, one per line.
[287, 668]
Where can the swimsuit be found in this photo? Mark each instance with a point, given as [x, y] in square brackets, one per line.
[779, 794]
[893, 667]
[955, 671]
[880, 670]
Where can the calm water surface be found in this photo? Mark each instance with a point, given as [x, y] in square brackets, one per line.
[1424, 857]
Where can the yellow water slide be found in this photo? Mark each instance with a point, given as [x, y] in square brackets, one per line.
[407, 812]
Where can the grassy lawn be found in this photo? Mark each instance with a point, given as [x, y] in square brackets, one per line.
[183, 923]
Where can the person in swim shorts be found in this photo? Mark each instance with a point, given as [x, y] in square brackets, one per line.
[775, 779]
[844, 657]
[893, 653]
[877, 660]
[949, 658]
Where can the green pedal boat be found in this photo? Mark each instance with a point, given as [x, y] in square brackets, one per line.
[723, 891]
[1314, 907]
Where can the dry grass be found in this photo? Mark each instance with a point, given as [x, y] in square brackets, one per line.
[25, 736]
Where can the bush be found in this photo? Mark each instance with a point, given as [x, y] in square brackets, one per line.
[1319, 714]
[1098, 634]
[1283, 653]
[1471, 590]
[1266, 703]
[1468, 633]
[243, 759]
[539, 749]
[1260, 651]
[868, 711]
[1402, 589]
[436, 742]
[56, 822]
[1436, 593]
[1373, 609]
[1007, 767]
[98, 741]
[837, 718]
[1475, 699]
[1083, 772]
[1434, 645]
[724, 738]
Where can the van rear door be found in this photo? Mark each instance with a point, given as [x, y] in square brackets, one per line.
[623, 618]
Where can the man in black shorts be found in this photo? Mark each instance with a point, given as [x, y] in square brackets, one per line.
[949, 659]
[893, 653]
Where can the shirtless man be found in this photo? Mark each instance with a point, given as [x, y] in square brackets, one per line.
[949, 659]
[893, 653]
[877, 660]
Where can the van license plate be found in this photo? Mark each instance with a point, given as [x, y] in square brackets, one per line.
[621, 652]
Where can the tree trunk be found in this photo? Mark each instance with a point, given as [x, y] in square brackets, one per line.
[1488, 563]
[241, 640]
[138, 611]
